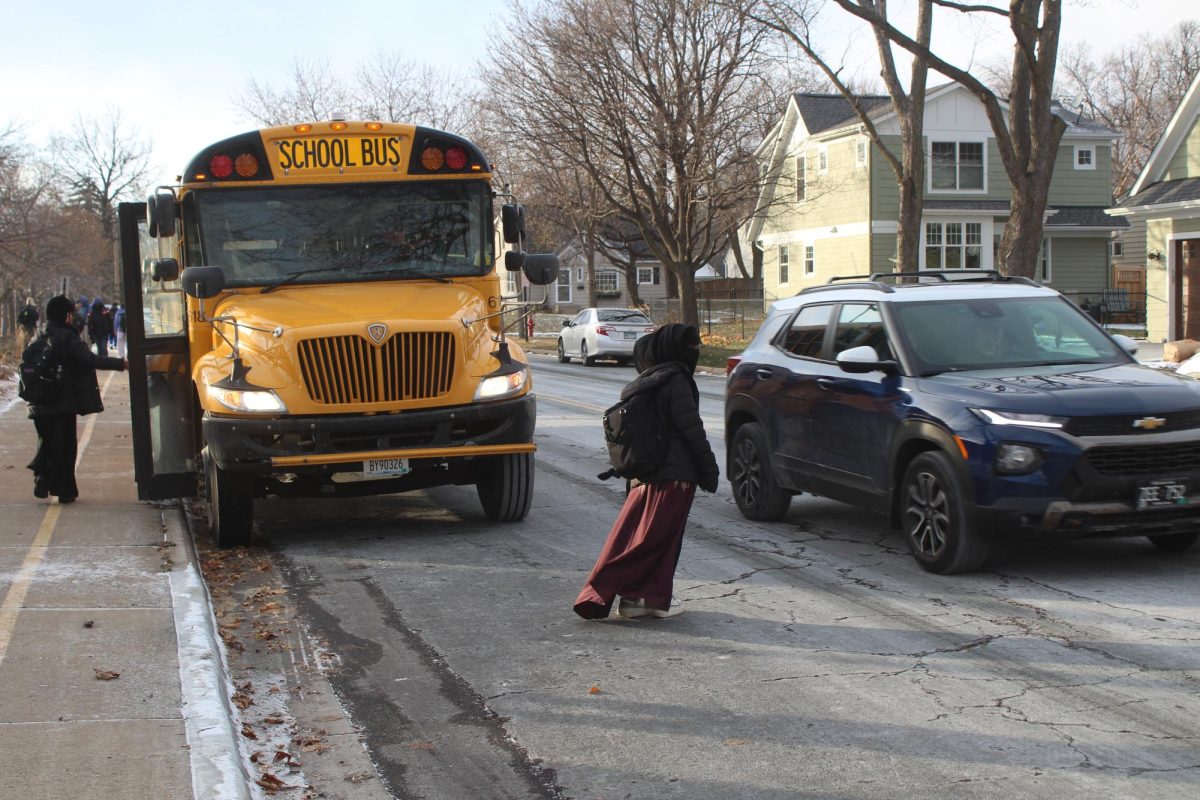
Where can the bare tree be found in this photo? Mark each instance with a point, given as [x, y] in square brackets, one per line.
[1027, 131]
[795, 20]
[1134, 91]
[651, 98]
[311, 92]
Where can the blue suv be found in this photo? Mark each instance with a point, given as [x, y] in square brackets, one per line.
[963, 406]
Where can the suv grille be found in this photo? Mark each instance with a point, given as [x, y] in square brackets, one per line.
[1159, 460]
[1123, 426]
[349, 369]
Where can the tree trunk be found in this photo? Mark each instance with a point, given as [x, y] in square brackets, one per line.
[589, 252]
[1021, 244]
[908, 231]
[687, 294]
[631, 280]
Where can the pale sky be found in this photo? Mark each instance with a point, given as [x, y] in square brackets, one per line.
[173, 69]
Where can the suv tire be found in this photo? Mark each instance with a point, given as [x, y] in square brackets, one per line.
[755, 491]
[1174, 542]
[934, 518]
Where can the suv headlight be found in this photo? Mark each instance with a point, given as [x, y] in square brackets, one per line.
[256, 401]
[1016, 459]
[1024, 420]
[498, 386]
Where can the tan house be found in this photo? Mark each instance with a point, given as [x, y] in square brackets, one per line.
[1166, 201]
[831, 201]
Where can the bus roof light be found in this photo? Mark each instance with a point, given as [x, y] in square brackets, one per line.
[338, 126]
[374, 126]
[221, 166]
[456, 158]
[302, 128]
[432, 158]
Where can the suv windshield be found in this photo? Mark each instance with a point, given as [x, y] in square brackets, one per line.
[341, 232]
[999, 334]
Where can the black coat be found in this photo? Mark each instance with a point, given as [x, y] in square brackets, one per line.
[80, 393]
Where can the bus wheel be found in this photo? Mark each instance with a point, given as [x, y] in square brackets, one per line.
[230, 504]
[505, 486]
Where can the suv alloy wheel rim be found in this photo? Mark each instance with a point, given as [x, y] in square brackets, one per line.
[927, 515]
[747, 480]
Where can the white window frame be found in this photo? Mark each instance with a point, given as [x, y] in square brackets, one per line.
[564, 282]
[1090, 149]
[810, 259]
[605, 276]
[1116, 248]
[944, 243]
[784, 259]
[1046, 260]
[861, 145]
[512, 282]
[801, 178]
[648, 278]
[823, 159]
[958, 143]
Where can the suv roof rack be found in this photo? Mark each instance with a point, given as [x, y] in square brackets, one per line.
[879, 281]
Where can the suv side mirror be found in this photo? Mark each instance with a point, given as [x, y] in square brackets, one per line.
[203, 282]
[512, 222]
[1125, 343]
[541, 268]
[861, 360]
[164, 269]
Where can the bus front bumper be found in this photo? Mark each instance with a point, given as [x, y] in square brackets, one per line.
[265, 446]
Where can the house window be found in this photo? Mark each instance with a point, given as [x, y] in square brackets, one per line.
[860, 153]
[649, 275]
[800, 176]
[512, 283]
[1044, 262]
[953, 245]
[823, 160]
[563, 289]
[1118, 249]
[810, 259]
[784, 257]
[608, 283]
[1085, 157]
[956, 166]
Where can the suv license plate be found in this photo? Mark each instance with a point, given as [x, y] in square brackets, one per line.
[385, 467]
[1161, 494]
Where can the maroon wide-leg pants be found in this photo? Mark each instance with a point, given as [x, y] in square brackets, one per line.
[642, 550]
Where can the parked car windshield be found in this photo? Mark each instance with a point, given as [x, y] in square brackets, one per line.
[622, 315]
[954, 335]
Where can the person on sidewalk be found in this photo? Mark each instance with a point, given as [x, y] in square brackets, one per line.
[28, 320]
[642, 550]
[119, 328]
[54, 464]
[99, 326]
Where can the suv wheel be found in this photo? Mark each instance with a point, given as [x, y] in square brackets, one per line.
[1174, 542]
[757, 494]
[934, 517]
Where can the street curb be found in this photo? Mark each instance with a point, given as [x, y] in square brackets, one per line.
[215, 755]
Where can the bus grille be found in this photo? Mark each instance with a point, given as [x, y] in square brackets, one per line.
[344, 370]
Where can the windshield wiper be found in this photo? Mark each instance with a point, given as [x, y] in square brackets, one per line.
[289, 278]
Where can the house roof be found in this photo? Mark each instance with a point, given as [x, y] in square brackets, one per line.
[966, 205]
[1176, 191]
[822, 112]
[1172, 136]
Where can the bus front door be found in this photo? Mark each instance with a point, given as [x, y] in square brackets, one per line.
[160, 375]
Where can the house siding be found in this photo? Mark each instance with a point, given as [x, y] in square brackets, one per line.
[1186, 161]
[1073, 265]
[1081, 187]
[1157, 285]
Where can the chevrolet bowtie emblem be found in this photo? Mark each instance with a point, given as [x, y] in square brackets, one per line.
[1149, 423]
[378, 332]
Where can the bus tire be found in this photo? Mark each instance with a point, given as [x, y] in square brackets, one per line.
[230, 504]
[505, 486]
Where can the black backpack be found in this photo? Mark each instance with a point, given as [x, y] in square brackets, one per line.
[636, 437]
[41, 375]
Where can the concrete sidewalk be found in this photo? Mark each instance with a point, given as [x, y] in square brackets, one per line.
[100, 604]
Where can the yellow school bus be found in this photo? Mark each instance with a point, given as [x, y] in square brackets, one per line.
[316, 309]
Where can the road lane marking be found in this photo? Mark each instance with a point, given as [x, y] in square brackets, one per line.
[14, 598]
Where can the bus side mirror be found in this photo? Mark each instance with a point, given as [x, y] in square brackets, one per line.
[164, 269]
[512, 222]
[514, 261]
[541, 268]
[161, 211]
[203, 282]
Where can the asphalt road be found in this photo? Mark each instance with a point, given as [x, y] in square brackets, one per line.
[815, 659]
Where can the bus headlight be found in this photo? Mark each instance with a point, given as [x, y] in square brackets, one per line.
[497, 386]
[258, 401]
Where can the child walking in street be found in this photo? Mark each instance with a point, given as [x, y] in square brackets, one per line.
[642, 550]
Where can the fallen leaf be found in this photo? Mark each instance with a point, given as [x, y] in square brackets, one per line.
[594, 690]
[269, 608]
[106, 675]
[264, 636]
[274, 719]
[242, 700]
[271, 783]
[421, 746]
[248, 732]
[736, 742]
[358, 777]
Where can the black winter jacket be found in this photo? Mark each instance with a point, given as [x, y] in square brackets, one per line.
[80, 392]
[689, 457]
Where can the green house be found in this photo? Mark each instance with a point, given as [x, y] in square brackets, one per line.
[830, 201]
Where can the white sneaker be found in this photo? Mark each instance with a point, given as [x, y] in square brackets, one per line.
[675, 610]
[632, 608]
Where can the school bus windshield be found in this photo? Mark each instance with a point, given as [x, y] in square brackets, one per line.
[341, 232]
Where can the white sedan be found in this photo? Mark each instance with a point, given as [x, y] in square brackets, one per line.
[602, 333]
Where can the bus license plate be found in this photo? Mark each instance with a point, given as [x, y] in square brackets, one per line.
[1161, 494]
[385, 467]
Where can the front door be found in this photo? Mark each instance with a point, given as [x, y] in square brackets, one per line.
[160, 375]
[1187, 289]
